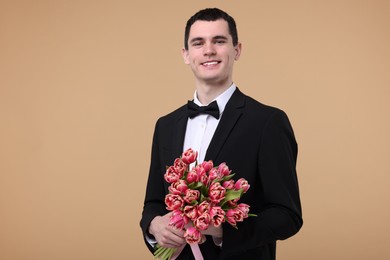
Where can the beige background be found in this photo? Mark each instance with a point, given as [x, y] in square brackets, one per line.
[83, 82]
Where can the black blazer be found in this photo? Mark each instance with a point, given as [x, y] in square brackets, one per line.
[257, 143]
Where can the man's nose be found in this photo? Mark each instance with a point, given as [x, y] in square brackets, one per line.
[209, 49]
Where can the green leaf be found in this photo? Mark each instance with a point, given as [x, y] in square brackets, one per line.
[201, 198]
[235, 226]
[193, 203]
[231, 195]
[226, 178]
[195, 185]
[204, 191]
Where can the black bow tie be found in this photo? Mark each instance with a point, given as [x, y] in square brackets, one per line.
[193, 109]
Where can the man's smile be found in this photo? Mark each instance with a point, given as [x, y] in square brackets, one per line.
[210, 63]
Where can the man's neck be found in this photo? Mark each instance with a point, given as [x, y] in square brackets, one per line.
[208, 92]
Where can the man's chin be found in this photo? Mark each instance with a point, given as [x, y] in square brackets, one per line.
[216, 81]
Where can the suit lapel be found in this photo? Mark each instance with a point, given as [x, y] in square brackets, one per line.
[230, 116]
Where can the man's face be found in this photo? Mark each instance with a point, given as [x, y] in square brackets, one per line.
[211, 53]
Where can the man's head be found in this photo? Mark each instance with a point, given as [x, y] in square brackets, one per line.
[211, 48]
[211, 14]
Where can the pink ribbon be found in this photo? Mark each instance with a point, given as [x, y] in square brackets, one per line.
[195, 251]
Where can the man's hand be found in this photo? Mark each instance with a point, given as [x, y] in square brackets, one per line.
[166, 235]
[216, 232]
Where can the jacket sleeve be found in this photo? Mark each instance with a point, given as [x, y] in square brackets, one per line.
[155, 192]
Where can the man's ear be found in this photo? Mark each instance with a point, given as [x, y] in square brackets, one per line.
[238, 49]
[184, 52]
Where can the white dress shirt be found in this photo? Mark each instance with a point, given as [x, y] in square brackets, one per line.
[201, 128]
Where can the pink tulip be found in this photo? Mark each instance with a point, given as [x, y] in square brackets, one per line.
[203, 178]
[216, 192]
[174, 201]
[244, 208]
[189, 156]
[191, 212]
[179, 187]
[180, 167]
[223, 169]
[242, 184]
[171, 175]
[233, 203]
[192, 176]
[203, 207]
[217, 215]
[191, 195]
[202, 174]
[213, 174]
[207, 165]
[203, 221]
[178, 219]
[234, 215]
[228, 184]
[192, 235]
[200, 170]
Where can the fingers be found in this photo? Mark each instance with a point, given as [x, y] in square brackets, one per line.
[213, 231]
[202, 240]
[171, 237]
[166, 235]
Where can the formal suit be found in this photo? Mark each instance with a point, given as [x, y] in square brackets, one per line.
[257, 143]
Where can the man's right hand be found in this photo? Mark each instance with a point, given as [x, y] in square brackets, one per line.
[165, 234]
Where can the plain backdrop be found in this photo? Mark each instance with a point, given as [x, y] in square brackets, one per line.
[82, 84]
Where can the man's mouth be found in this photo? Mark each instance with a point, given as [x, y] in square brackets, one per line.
[210, 63]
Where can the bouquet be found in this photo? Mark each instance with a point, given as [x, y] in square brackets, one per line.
[202, 196]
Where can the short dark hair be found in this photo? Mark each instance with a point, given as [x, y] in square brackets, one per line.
[211, 14]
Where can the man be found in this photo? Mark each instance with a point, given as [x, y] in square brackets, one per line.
[256, 142]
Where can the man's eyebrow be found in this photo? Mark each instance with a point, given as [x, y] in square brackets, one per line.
[196, 39]
[220, 37]
[217, 37]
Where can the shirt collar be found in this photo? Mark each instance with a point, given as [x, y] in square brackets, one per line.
[222, 99]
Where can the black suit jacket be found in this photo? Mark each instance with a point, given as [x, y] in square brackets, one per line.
[257, 143]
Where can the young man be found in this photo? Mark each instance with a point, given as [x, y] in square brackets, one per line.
[256, 142]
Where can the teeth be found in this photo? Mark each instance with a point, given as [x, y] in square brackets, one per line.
[210, 63]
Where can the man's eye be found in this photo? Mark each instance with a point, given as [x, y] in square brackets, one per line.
[220, 41]
[197, 43]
